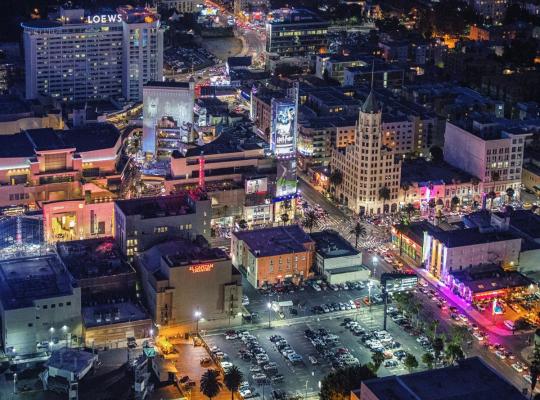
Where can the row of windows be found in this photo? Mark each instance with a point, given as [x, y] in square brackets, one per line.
[46, 306]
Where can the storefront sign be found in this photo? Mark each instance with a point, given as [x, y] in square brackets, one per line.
[103, 19]
[201, 268]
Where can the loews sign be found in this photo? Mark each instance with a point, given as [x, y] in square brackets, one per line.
[201, 268]
[103, 19]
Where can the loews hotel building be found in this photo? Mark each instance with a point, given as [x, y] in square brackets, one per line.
[82, 56]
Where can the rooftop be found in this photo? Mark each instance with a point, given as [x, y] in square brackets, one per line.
[89, 137]
[239, 61]
[117, 313]
[425, 172]
[274, 241]
[93, 258]
[331, 244]
[72, 360]
[156, 207]
[24, 280]
[227, 142]
[486, 278]
[471, 379]
[523, 222]
[168, 84]
[293, 15]
[470, 237]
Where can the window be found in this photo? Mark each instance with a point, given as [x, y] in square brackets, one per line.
[45, 306]
[30, 324]
[60, 304]
[68, 303]
[53, 305]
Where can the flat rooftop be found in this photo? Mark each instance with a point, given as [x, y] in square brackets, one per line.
[274, 241]
[89, 137]
[470, 237]
[168, 84]
[93, 258]
[72, 360]
[523, 221]
[226, 143]
[486, 278]
[25, 280]
[331, 244]
[471, 379]
[293, 16]
[425, 172]
[157, 207]
[108, 314]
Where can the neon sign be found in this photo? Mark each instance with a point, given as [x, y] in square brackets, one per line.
[103, 19]
[201, 268]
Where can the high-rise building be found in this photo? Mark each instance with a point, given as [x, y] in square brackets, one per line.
[369, 168]
[295, 33]
[81, 56]
[492, 9]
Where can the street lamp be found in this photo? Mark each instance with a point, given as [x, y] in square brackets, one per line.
[51, 331]
[65, 329]
[269, 306]
[15, 383]
[369, 286]
[374, 262]
[197, 318]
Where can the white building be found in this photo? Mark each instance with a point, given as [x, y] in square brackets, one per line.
[82, 56]
[492, 9]
[183, 6]
[174, 102]
[495, 157]
[447, 251]
[367, 166]
[39, 302]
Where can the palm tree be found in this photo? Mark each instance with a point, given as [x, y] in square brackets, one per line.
[384, 194]
[358, 231]
[410, 362]
[310, 219]
[491, 196]
[438, 346]
[510, 193]
[409, 209]
[432, 204]
[210, 384]
[433, 328]
[454, 353]
[405, 187]
[454, 202]
[284, 218]
[232, 379]
[336, 178]
[428, 359]
[376, 360]
[242, 224]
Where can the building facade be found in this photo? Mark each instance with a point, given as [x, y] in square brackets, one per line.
[295, 33]
[495, 157]
[273, 255]
[181, 279]
[145, 222]
[82, 56]
[369, 168]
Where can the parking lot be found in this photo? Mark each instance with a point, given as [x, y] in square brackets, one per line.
[292, 357]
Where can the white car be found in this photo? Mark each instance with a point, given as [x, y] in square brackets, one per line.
[500, 354]
[478, 336]
[316, 287]
[518, 367]
[226, 364]
[245, 300]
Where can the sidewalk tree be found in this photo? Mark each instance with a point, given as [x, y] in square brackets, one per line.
[428, 359]
[510, 193]
[377, 359]
[337, 385]
[455, 202]
[409, 209]
[458, 334]
[384, 195]
[210, 384]
[336, 178]
[453, 353]
[438, 346]
[242, 224]
[491, 196]
[410, 362]
[310, 219]
[284, 218]
[232, 380]
[359, 231]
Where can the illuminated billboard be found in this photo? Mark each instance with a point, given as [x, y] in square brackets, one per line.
[397, 282]
[286, 179]
[283, 129]
[173, 102]
[257, 185]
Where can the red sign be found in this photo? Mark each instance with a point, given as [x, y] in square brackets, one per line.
[201, 268]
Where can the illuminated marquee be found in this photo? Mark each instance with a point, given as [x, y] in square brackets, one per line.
[201, 268]
[103, 19]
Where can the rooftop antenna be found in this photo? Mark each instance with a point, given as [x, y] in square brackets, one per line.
[372, 72]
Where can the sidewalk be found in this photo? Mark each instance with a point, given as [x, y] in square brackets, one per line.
[463, 305]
